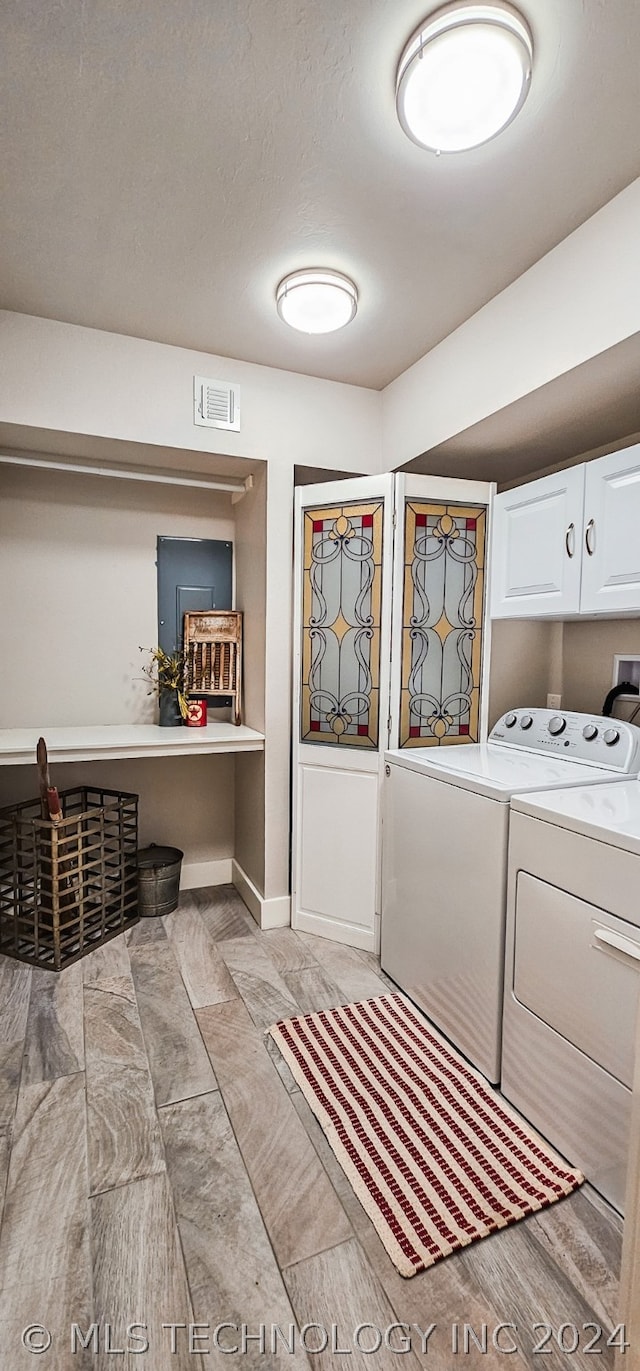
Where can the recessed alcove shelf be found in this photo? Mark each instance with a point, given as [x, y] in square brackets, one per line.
[99, 527]
[117, 741]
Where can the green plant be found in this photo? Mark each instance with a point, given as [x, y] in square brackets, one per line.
[166, 671]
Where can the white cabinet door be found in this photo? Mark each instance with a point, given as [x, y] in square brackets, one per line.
[342, 625]
[611, 538]
[536, 547]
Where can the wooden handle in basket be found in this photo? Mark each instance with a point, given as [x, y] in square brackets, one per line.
[43, 776]
[54, 809]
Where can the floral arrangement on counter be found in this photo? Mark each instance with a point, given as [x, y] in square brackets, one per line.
[166, 674]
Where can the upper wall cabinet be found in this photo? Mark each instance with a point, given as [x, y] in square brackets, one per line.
[570, 543]
[536, 547]
[611, 541]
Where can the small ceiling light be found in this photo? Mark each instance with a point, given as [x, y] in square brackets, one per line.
[463, 76]
[316, 301]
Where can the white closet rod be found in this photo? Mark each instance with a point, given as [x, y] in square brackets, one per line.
[237, 488]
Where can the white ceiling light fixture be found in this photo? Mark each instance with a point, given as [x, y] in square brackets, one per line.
[464, 75]
[316, 301]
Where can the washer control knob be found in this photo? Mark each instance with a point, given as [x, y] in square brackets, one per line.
[526, 721]
[589, 732]
[557, 725]
[611, 736]
[510, 720]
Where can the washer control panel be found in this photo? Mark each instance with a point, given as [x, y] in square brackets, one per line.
[590, 738]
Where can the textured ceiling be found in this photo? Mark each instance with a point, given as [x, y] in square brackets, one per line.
[167, 161]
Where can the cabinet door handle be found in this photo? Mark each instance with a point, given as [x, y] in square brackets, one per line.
[590, 537]
[618, 940]
[570, 540]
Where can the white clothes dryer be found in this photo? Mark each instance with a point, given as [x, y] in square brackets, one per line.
[572, 972]
[445, 832]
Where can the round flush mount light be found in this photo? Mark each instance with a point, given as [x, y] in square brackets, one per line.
[316, 301]
[463, 76]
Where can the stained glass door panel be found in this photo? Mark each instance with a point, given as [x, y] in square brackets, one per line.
[342, 605]
[342, 633]
[442, 622]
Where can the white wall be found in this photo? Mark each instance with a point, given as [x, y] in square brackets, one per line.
[251, 576]
[278, 677]
[78, 571]
[574, 659]
[81, 380]
[265, 518]
[580, 299]
[589, 649]
[250, 550]
[521, 656]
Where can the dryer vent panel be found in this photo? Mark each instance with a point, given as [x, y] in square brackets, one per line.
[216, 404]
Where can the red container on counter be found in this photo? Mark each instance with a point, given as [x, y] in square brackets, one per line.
[196, 713]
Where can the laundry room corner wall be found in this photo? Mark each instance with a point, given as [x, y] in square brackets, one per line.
[590, 648]
[521, 664]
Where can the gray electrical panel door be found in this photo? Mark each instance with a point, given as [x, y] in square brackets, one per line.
[193, 573]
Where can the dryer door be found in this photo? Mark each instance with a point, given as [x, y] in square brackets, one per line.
[576, 968]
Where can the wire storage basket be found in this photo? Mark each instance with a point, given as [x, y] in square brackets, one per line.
[67, 886]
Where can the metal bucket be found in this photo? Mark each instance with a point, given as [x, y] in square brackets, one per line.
[158, 880]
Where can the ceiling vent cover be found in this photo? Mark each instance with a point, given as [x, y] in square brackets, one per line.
[216, 404]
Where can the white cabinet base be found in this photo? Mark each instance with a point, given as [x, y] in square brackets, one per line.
[338, 832]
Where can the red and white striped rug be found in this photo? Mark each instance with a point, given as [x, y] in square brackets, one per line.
[436, 1157]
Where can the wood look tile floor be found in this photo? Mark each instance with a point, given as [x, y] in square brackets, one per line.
[160, 1168]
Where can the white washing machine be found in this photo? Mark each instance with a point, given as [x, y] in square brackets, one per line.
[444, 858]
[572, 963]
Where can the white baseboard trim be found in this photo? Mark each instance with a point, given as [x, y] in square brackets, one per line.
[197, 874]
[245, 887]
[274, 913]
[337, 931]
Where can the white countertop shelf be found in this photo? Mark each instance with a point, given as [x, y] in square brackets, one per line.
[114, 741]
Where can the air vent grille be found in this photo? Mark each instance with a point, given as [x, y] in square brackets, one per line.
[216, 404]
